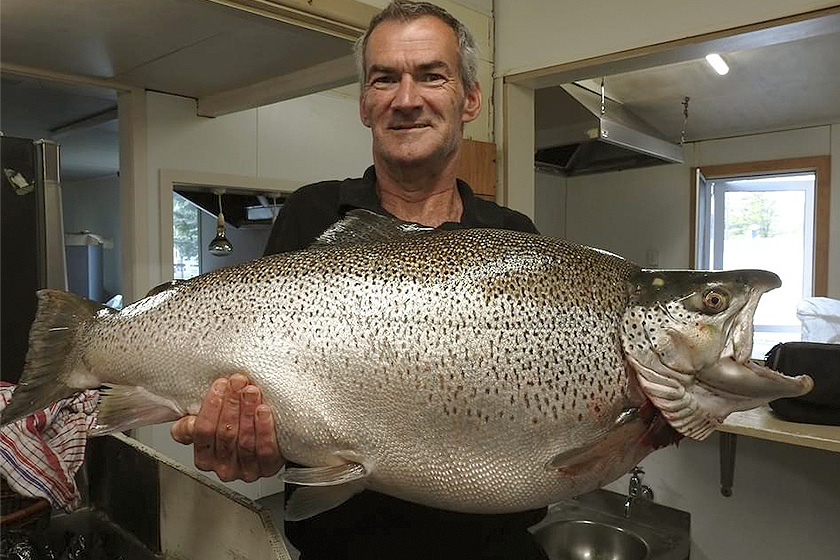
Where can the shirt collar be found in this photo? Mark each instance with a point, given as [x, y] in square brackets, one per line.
[361, 193]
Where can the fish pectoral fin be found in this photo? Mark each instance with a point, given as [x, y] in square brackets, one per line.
[572, 459]
[325, 476]
[310, 501]
[578, 459]
[123, 407]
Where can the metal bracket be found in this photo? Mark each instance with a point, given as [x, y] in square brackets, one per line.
[727, 462]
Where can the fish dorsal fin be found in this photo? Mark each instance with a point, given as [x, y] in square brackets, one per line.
[363, 226]
[163, 287]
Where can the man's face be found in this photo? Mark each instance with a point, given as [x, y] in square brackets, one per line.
[413, 99]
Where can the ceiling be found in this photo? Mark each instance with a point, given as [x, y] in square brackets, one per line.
[192, 48]
[790, 84]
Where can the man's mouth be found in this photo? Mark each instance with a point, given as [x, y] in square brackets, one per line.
[409, 126]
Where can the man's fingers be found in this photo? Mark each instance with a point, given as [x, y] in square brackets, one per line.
[204, 426]
[268, 453]
[227, 430]
[182, 430]
[246, 446]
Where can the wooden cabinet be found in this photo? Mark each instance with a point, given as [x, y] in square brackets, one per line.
[478, 168]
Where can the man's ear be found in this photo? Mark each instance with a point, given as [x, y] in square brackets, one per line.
[472, 104]
[362, 112]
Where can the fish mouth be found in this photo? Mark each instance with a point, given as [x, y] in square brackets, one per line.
[747, 384]
[739, 343]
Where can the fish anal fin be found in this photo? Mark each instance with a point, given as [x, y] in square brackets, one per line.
[310, 501]
[363, 226]
[333, 475]
[123, 407]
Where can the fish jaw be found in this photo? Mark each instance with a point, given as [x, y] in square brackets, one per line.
[692, 355]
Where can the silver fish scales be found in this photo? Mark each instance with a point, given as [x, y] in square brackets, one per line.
[471, 370]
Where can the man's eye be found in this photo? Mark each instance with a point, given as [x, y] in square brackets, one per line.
[383, 80]
[433, 77]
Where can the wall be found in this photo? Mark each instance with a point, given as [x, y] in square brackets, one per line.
[550, 210]
[786, 499]
[93, 205]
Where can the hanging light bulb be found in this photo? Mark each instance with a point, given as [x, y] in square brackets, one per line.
[220, 246]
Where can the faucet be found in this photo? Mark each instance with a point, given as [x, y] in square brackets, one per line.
[637, 490]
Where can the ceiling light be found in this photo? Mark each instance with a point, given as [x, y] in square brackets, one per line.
[717, 63]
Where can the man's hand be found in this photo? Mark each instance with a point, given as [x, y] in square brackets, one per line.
[233, 433]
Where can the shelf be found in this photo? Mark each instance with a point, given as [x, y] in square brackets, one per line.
[762, 423]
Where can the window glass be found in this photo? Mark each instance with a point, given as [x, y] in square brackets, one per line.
[762, 222]
[186, 236]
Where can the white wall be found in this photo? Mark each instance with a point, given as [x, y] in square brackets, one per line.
[786, 499]
[550, 210]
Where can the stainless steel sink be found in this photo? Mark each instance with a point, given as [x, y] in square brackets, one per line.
[587, 540]
[593, 527]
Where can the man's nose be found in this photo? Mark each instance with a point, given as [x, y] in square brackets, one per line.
[408, 94]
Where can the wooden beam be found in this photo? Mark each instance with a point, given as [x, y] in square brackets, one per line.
[84, 123]
[62, 77]
[346, 19]
[321, 77]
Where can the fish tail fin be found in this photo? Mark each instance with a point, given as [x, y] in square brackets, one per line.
[52, 354]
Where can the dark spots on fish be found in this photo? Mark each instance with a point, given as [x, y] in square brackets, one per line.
[580, 417]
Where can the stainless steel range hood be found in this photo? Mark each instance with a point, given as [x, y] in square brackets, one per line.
[573, 137]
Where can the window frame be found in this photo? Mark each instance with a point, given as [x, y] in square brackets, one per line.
[819, 165]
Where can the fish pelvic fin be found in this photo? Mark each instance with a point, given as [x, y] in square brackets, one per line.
[123, 407]
[52, 353]
[325, 476]
[310, 501]
[324, 488]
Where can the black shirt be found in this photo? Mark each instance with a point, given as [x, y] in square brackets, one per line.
[313, 208]
[373, 526]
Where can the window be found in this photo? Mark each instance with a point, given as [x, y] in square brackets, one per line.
[186, 236]
[764, 219]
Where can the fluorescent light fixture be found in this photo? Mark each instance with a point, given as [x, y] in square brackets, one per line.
[717, 63]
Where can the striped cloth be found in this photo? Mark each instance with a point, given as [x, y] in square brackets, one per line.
[40, 454]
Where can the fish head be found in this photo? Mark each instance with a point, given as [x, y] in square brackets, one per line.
[688, 336]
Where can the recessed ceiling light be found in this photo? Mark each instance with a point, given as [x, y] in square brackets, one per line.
[717, 63]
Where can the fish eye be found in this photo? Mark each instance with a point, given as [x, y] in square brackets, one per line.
[715, 301]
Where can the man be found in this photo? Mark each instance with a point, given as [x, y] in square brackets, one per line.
[417, 65]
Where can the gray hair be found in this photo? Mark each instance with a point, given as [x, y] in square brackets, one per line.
[405, 11]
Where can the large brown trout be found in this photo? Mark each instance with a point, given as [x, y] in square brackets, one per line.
[471, 370]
